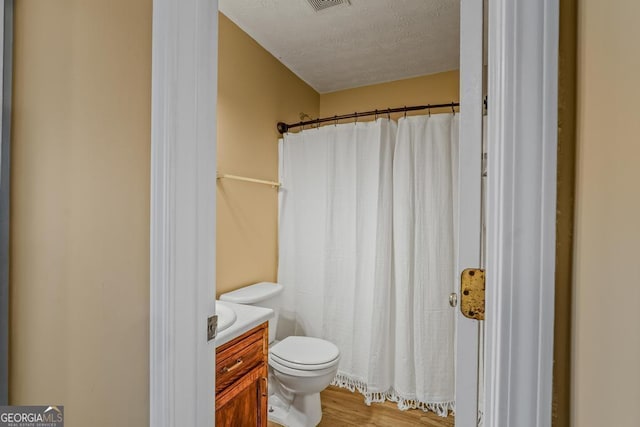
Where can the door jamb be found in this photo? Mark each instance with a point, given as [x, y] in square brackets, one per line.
[183, 212]
[469, 203]
[521, 200]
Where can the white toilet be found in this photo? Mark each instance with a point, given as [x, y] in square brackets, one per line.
[299, 367]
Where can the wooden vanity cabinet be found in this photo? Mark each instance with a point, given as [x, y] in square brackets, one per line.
[241, 380]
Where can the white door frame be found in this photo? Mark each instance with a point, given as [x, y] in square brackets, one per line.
[469, 245]
[521, 211]
[183, 211]
[523, 40]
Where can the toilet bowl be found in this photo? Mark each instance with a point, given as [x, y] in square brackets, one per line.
[302, 367]
[299, 367]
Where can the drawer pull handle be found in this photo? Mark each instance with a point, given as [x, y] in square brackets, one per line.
[264, 390]
[232, 367]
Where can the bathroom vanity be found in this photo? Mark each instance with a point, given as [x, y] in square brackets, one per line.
[241, 379]
[242, 350]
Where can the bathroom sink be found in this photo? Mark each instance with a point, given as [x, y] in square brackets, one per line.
[226, 316]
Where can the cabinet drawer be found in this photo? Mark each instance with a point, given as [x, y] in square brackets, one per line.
[238, 359]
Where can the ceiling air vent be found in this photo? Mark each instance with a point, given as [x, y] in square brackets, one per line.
[319, 5]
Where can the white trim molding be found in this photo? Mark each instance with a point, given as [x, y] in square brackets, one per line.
[183, 188]
[522, 143]
[469, 235]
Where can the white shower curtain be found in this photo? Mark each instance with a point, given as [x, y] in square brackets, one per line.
[335, 229]
[424, 213]
[355, 205]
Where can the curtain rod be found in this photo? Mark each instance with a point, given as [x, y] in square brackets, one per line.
[284, 127]
[246, 179]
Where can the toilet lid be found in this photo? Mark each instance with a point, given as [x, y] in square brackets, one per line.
[305, 352]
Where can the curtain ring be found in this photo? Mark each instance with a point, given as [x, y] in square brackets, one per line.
[376, 115]
[356, 122]
[335, 120]
[405, 111]
[429, 109]
[318, 123]
[453, 110]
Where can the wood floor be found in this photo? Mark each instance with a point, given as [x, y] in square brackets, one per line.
[341, 408]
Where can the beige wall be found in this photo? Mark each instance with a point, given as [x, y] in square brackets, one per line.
[606, 357]
[255, 91]
[80, 209]
[431, 89]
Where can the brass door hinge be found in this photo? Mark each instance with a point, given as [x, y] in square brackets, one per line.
[472, 293]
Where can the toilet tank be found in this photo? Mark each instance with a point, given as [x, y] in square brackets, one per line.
[263, 294]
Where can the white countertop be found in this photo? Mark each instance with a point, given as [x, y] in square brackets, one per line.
[248, 318]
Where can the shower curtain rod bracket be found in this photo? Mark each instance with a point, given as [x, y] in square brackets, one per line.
[283, 128]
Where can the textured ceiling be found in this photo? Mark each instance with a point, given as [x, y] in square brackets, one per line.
[366, 42]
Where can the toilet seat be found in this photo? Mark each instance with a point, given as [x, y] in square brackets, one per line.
[298, 373]
[301, 367]
[304, 354]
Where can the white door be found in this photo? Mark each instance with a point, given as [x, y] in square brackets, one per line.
[469, 205]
